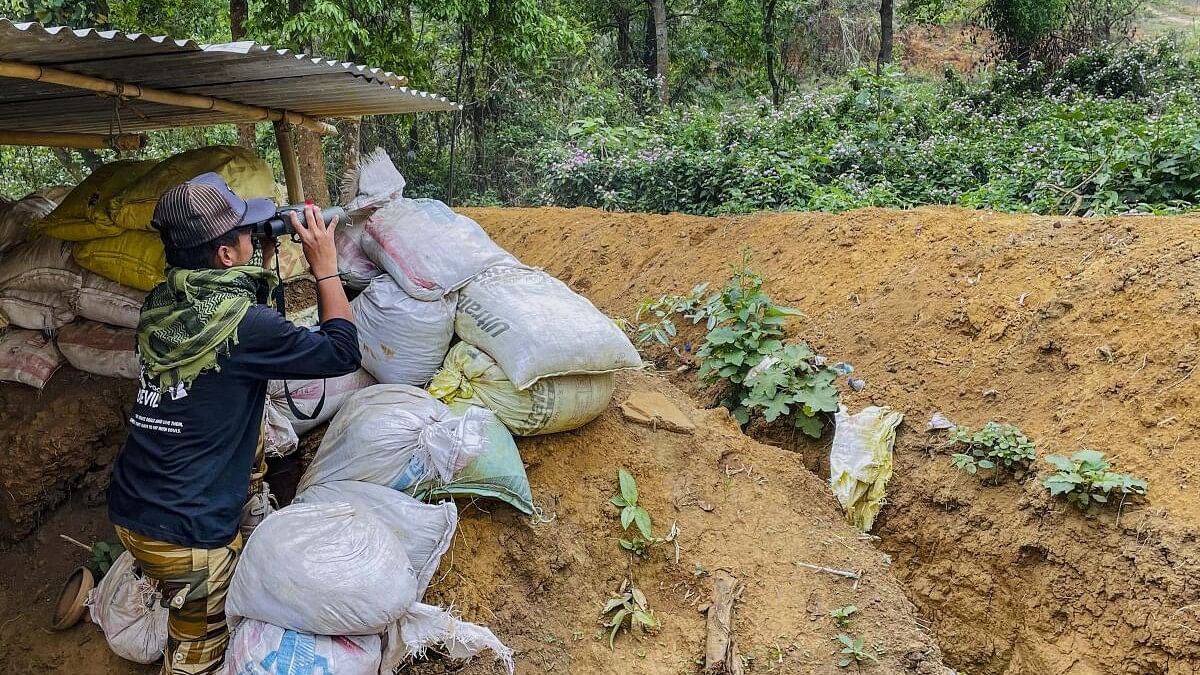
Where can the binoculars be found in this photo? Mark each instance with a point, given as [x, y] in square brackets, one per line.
[281, 223]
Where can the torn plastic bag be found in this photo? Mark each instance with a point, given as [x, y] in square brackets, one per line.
[425, 627]
[398, 436]
[860, 462]
[425, 530]
[326, 569]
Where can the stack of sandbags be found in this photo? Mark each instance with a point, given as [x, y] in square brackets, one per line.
[335, 577]
[38, 283]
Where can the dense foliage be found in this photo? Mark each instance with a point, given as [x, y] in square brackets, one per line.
[1110, 131]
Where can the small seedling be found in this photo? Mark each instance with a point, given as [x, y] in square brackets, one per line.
[841, 615]
[629, 607]
[1085, 478]
[632, 514]
[104, 554]
[654, 315]
[995, 446]
[854, 650]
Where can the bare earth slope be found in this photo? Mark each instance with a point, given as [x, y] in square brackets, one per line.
[1085, 332]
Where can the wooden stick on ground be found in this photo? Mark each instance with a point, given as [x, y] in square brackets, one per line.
[720, 651]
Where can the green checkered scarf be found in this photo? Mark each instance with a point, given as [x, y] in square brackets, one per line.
[192, 318]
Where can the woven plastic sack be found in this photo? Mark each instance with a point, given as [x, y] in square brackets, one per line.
[499, 473]
[127, 608]
[536, 327]
[425, 530]
[36, 310]
[133, 259]
[28, 357]
[259, 648]
[860, 461]
[84, 213]
[280, 438]
[307, 393]
[100, 349]
[326, 569]
[551, 405]
[17, 218]
[402, 340]
[244, 171]
[358, 270]
[375, 183]
[425, 627]
[106, 301]
[42, 264]
[429, 249]
[398, 436]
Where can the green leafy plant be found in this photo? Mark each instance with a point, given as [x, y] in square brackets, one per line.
[1085, 478]
[854, 650]
[659, 312]
[791, 383]
[628, 610]
[841, 615]
[104, 554]
[633, 514]
[995, 446]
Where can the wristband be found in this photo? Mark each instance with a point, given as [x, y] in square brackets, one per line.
[331, 276]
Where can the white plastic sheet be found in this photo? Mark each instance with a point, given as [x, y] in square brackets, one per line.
[325, 569]
[860, 461]
[428, 248]
[398, 436]
[403, 340]
[127, 608]
[535, 327]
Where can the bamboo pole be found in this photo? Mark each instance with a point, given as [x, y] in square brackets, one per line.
[291, 164]
[24, 71]
[53, 139]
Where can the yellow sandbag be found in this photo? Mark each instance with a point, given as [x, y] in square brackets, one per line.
[133, 259]
[860, 461]
[551, 405]
[84, 213]
[246, 173]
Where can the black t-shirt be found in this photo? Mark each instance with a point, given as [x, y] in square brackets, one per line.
[184, 472]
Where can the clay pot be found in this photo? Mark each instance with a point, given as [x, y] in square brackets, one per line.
[70, 606]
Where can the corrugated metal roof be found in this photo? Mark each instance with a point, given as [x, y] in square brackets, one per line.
[243, 72]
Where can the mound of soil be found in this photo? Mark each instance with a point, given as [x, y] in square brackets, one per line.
[1084, 332]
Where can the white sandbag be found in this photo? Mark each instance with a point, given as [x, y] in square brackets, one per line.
[398, 436]
[279, 436]
[100, 349]
[36, 310]
[127, 608]
[258, 506]
[325, 569]
[551, 405]
[259, 648]
[43, 264]
[426, 626]
[403, 340]
[28, 357]
[307, 393]
[535, 327]
[425, 530]
[429, 249]
[16, 217]
[356, 266]
[106, 301]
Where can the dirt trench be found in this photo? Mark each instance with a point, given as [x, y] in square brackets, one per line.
[1084, 332]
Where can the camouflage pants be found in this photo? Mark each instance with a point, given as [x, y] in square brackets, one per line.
[193, 582]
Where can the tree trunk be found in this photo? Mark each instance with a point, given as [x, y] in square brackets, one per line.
[350, 131]
[238, 10]
[648, 58]
[67, 160]
[624, 42]
[312, 166]
[769, 50]
[887, 18]
[660, 48]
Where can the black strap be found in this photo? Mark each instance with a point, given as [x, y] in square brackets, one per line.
[287, 393]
